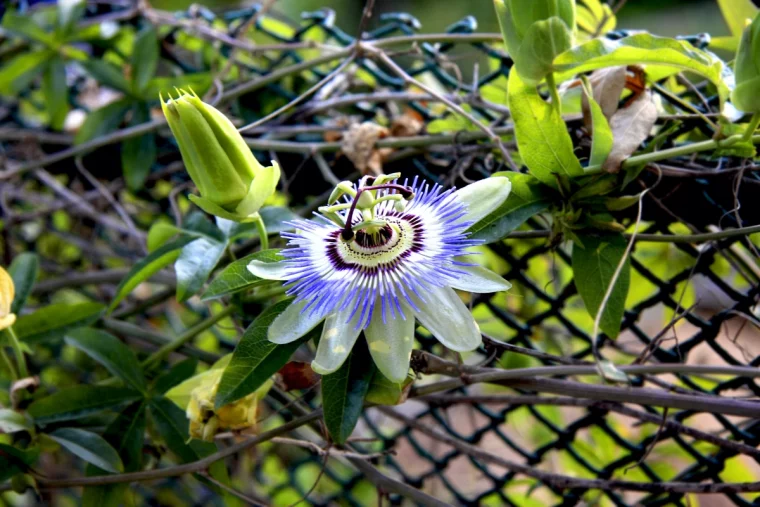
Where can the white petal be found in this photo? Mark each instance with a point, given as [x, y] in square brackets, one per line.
[484, 196]
[390, 343]
[338, 338]
[479, 279]
[291, 324]
[448, 319]
[268, 270]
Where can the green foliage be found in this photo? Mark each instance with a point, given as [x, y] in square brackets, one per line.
[528, 198]
[542, 138]
[595, 260]
[255, 358]
[80, 401]
[90, 447]
[343, 392]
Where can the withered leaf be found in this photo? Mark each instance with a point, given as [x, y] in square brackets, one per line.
[607, 85]
[630, 127]
[297, 375]
[359, 147]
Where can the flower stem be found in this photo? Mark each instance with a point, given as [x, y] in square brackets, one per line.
[753, 124]
[185, 337]
[678, 151]
[8, 364]
[553, 92]
[20, 360]
[263, 237]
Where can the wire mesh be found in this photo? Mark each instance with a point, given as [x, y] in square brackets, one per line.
[712, 289]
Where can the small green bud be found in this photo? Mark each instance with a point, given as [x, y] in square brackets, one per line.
[231, 182]
[400, 205]
[535, 31]
[366, 200]
[747, 70]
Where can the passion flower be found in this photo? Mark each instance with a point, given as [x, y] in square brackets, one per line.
[387, 256]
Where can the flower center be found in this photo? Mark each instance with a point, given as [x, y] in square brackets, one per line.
[374, 238]
[379, 248]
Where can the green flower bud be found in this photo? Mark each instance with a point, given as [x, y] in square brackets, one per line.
[231, 182]
[535, 31]
[747, 70]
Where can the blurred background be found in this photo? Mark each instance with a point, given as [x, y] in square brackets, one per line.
[663, 17]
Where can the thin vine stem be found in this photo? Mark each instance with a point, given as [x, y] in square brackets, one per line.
[262, 230]
[185, 337]
[18, 352]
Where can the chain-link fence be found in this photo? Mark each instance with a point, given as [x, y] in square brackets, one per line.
[690, 302]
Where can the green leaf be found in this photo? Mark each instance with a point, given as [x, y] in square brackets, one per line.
[90, 447]
[147, 267]
[173, 425]
[641, 49]
[12, 421]
[144, 58]
[175, 375]
[56, 92]
[109, 351]
[125, 434]
[56, 320]
[236, 277]
[159, 233]
[23, 271]
[386, 392]
[255, 358]
[602, 138]
[594, 264]
[198, 82]
[138, 154]
[543, 41]
[343, 392]
[16, 461]
[527, 198]
[18, 73]
[194, 265]
[102, 121]
[107, 74]
[69, 13]
[736, 14]
[542, 138]
[181, 393]
[80, 401]
[25, 26]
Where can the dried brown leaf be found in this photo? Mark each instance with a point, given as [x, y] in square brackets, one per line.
[607, 85]
[630, 127]
[297, 375]
[359, 146]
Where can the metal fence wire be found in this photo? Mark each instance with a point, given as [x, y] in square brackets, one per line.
[688, 304]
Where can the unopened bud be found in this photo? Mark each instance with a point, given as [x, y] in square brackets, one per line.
[231, 182]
